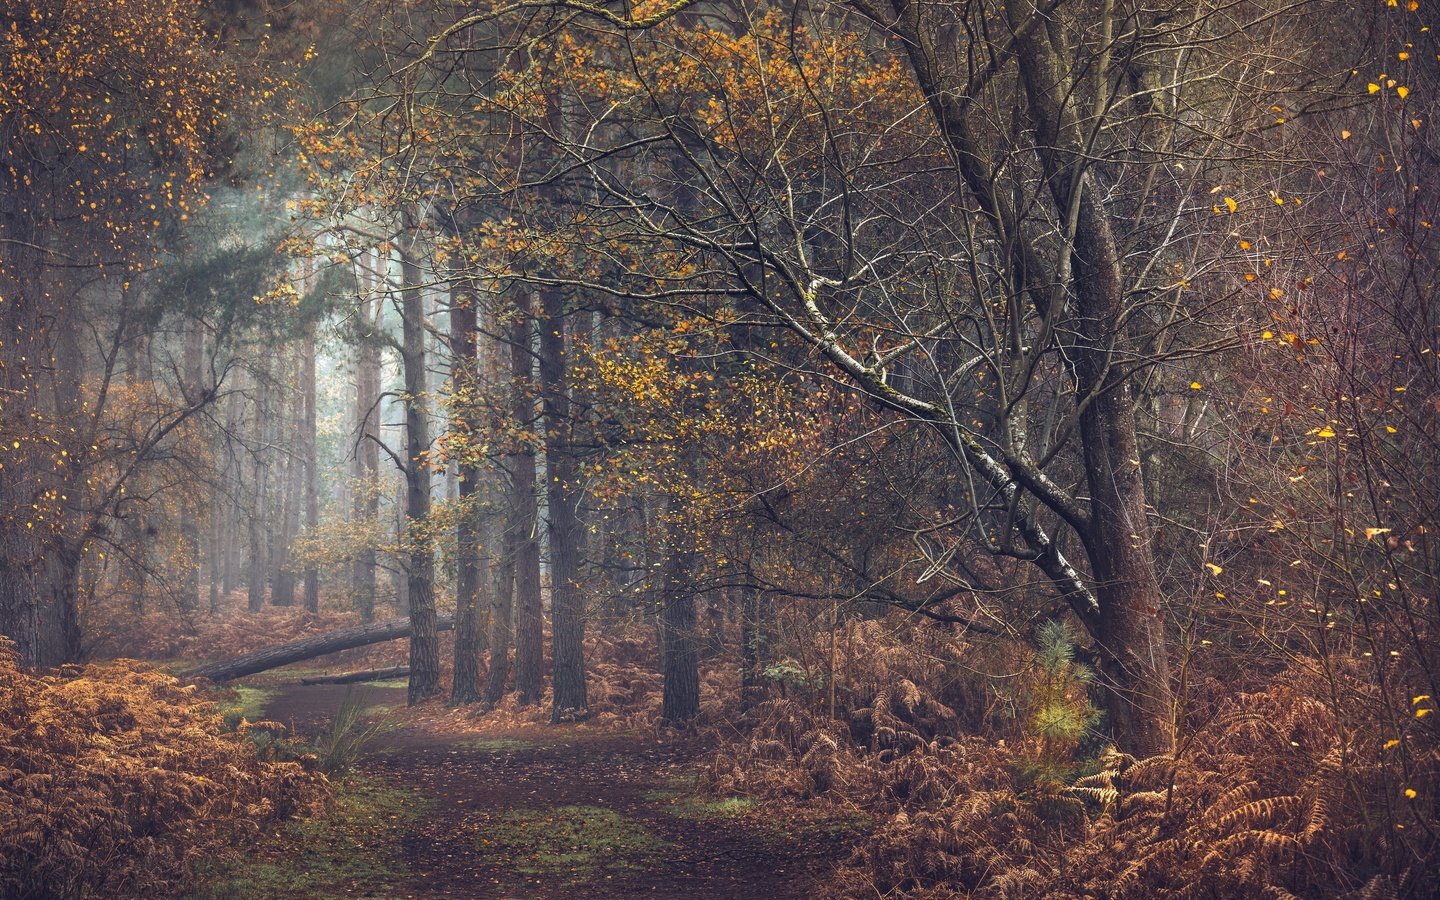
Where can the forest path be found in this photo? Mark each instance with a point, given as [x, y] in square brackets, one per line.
[553, 812]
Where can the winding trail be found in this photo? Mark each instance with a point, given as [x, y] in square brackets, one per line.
[559, 813]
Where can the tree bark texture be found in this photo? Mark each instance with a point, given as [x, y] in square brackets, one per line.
[311, 594]
[567, 607]
[366, 507]
[465, 383]
[679, 650]
[520, 464]
[420, 577]
[311, 647]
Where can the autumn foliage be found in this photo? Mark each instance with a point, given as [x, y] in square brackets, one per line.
[115, 778]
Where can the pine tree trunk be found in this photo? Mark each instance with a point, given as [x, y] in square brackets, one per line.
[529, 633]
[679, 655]
[502, 608]
[420, 575]
[366, 506]
[312, 489]
[282, 583]
[567, 608]
[259, 502]
[134, 569]
[464, 383]
[190, 513]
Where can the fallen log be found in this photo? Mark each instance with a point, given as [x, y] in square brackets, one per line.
[354, 677]
[311, 647]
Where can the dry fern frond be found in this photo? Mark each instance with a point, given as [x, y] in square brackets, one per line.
[116, 776]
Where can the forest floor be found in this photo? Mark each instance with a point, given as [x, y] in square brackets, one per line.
[536, 812]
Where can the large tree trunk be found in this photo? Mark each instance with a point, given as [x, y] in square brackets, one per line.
[311, 647]
[465, 383]
[529, 627]
[567, 607]
[420, 575]
[20, 351]
[502, 609]
[679, 654]
[1128, 629]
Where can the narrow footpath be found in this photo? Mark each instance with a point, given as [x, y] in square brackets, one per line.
[539, 813]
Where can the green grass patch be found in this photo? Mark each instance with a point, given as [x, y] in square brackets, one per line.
[353, 850]
[245, 701]
[497, 744]
[574, 843]
[686, 803]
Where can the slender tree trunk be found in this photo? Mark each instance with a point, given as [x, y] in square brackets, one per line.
[366, 507]
[135, 563]
[230, 536]
[282, 583]
[215, 556]
[312, 488]
[752, 648]
[529, 627]
[567, 607]
[420, 576]
[259, 518]
[190, 514]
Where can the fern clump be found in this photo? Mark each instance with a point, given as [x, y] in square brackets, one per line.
[114, 777]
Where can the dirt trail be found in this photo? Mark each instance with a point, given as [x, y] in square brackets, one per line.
[561, 813]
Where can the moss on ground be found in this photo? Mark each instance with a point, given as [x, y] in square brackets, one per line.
[575, 843]
[353, 850]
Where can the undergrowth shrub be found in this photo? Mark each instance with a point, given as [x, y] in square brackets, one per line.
[161, 633]
[339, 748]
[1273, 792]
[114, 777]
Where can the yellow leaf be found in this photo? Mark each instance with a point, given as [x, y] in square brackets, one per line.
[1267, 334]
[1391, 743]
[1420, 699]
[1371, 534]
[1195, 385]
[1402, 92]
[1244, 245]
[1345, 135]
[1410, 793]
[1422, 713]
[1231, 204]
[1276, 293]
[1372, 87]
[1326, 432]
[1214, 569]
